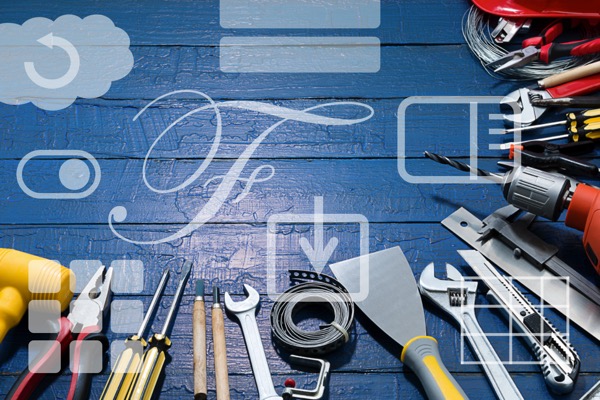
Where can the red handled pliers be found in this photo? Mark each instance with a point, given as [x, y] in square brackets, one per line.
[543, 48]
[83, 324]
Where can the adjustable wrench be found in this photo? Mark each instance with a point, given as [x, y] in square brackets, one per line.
[245, 311]
[521, 99]
[457, 297]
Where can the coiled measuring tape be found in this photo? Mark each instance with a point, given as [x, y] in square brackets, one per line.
[311, 289]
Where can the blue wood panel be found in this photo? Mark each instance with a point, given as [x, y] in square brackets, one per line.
[175, 46]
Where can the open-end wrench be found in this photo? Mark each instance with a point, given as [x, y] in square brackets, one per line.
[245, 311]
[457, 297]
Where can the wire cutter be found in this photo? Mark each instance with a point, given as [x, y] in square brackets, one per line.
[544, 48]
[545, 155]
[83, 324]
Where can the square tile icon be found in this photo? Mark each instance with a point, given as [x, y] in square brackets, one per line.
[52, 365]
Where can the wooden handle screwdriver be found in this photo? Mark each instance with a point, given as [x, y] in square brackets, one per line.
[218, 328]
[199, 338]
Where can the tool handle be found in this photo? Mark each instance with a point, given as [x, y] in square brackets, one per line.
[557, 378]
[548, 35]
[581, 86]
[421, 354]
[199, 345]
[33, 374]
[84, 360]
[591, 132]
[570, 75]
[221, 371]
[153, 363]
[584, 117]
[125, 369]
[499, 378]
[551, 52]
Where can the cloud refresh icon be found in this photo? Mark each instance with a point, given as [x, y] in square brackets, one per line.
[51, 63]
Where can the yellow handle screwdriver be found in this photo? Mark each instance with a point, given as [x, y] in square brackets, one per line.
[129, 361]
[154, 358]
[573, 119]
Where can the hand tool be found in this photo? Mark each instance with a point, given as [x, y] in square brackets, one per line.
[510, 145]
[573, 119]
[550, 156]
[524, 256]
[547, 195]
[522, 98]
[593, 393]
[153, 361]
[83, 324]
[323, 292]
[313, 394]
[199, 342]
[218, 330]
[27, 278]
[245, 312]
[544, 49]
[559, 361]
[457, 298]
[570, 75]
[394, 304]
[578, 101]
[129, 361]
[507, 28]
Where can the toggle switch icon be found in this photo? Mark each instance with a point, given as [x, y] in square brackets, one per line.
[78, 173]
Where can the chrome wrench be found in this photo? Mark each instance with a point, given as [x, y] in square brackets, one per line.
[457, 297]
[245, 311]
[558, 360]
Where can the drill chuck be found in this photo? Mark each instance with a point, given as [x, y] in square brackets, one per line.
[541, 193]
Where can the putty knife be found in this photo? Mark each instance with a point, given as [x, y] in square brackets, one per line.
[394, 304]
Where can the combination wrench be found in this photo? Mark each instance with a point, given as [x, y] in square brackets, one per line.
[457, 297]
[245, 311]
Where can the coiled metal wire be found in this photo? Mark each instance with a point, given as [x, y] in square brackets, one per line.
[477, 33]
[319, 290]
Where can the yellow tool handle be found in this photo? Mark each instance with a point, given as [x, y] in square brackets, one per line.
[125, 370]
[421, 354]
[153, 363]
[591, 131]
[583, 117]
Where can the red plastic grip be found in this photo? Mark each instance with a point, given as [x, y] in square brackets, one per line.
[589, 47]
[30, 379]
[553, 31]
[578, 87]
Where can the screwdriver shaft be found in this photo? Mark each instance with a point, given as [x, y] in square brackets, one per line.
[185, 273]
[531, 127]
[129, 361]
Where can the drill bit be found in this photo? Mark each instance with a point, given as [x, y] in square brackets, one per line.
[464, 167]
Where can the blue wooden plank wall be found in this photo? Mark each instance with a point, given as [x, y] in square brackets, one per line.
[353, 167]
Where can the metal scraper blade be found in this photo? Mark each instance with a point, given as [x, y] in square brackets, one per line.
[393, 302]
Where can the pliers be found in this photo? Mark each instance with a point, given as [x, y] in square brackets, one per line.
[545, 155]
[544, 49]
[81, 326]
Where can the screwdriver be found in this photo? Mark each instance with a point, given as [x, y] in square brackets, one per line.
[154, 358]
[128, 363]
[586, 117]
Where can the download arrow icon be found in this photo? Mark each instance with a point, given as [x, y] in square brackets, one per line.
[320, 254]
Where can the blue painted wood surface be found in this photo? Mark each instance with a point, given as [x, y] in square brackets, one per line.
[175, 45]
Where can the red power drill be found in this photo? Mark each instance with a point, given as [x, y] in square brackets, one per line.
[547, 194]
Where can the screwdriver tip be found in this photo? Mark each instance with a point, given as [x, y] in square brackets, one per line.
[187, 267]
[199, 288]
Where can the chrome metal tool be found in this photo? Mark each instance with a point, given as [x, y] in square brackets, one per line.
[509, 257]
[457, 298]
[558, 360]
